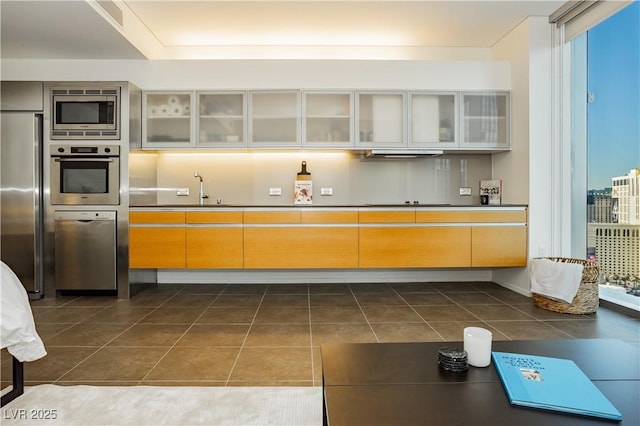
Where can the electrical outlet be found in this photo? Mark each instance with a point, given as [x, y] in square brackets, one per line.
[465, 191]
[182, 192]
[275, 191]
[326, 191]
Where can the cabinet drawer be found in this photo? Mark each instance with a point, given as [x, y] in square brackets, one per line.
[508, 216]
[156, 217]
[253, 217]
[456, 216]
[443, 216]
[329, 216]
[214, 217]
[157, 248]
[415, 247]
[386, 216]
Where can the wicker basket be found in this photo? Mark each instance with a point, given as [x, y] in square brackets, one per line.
[586, 299]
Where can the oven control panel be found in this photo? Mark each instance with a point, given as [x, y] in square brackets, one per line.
[85, 150]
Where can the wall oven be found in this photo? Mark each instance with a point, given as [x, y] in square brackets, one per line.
[82, 174]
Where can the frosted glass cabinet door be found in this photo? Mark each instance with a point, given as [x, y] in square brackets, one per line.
[274, 119]
[167, 119]
[433, 118]
[381, 120]
[485, 120]
[328, 119]
[221, 119]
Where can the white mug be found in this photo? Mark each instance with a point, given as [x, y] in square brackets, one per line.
[477, 344]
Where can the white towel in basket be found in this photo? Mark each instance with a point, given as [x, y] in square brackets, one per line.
[555, 280]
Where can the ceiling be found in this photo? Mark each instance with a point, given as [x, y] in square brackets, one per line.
[145, 29]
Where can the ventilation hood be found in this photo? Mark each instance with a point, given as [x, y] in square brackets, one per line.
[402, 153]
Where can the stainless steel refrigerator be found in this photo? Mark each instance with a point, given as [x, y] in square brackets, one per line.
[21, 182]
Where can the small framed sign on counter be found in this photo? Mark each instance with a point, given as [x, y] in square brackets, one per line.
[491, 192]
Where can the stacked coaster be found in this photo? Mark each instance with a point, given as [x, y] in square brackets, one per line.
[453, 359]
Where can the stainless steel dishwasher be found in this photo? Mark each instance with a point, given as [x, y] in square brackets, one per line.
[85, 250]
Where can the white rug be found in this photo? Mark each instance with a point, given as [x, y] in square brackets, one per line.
[158, 405]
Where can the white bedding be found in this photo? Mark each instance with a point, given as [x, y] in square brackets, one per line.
[18, 330]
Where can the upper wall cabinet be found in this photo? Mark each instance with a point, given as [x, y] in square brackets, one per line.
[222, 119]
[434, 120]
[327, 119]
[450, 121]
[274, 119]
[168, 119]
[485, 120]
[380, 120]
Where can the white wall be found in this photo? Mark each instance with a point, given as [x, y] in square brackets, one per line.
[513, 167]
[265, 74]
[528, 168]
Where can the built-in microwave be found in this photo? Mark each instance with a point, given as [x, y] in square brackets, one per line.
[85, 113]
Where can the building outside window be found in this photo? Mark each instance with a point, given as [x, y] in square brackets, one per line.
[612, 67]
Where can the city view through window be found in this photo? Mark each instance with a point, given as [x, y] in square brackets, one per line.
[613, 132]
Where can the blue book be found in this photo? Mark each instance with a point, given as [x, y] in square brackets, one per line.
[551, 384]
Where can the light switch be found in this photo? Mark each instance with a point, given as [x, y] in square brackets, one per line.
[275, 191]
[182, 192]
[326, 191]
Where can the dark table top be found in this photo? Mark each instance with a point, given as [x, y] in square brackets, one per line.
[417, 363]
[458, 404]
[401, 384]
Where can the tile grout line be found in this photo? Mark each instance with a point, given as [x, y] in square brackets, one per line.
[114, 338]
[534, 319]
[485, 322]
[182, 335]
[59, 379]
[253, 320]
[416, 312]
[313, 370]
[363, 313]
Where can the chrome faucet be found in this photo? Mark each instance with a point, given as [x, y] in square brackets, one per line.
[201, 195]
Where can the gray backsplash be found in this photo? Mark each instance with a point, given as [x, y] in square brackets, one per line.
[245, 178]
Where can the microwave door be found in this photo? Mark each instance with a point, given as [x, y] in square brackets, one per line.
[78, 113]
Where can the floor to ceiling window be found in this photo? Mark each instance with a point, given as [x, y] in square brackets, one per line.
[606, 62]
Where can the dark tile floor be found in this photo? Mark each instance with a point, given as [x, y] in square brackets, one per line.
[259, 335]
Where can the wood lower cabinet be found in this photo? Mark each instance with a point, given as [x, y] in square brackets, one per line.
[214, 248]
[415, 247]
[214, 240]
[157, 240]
[300, 247]
[157, 247]
[499, 246]
[334, 238]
